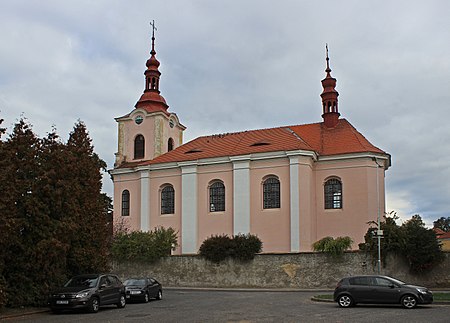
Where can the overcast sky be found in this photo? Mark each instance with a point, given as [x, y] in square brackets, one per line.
[236, 65]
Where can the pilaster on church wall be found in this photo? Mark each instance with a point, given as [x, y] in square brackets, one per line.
[158, 136]
[120, 144]
[308, 217]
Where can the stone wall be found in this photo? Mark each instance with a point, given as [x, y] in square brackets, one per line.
[298, 271]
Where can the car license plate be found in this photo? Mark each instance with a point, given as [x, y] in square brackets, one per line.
[62, 302]
[135, 292]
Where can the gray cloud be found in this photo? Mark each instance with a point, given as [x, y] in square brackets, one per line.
[235, 65]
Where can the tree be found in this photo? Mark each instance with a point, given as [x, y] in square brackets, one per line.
[421, 248]
[443, 224]
[18, 209]
[391, 241]
[412, 240]
[85, 217]
[52, 213]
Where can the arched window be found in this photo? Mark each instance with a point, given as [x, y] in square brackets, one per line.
[217, 197]
[168, 200]
[333, 194]
[271, 193]
[170, 144]
[125, 203]
[139, 147]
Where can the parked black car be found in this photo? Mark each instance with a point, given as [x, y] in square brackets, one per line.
[380, 290]
[142, 289]
[89, 292]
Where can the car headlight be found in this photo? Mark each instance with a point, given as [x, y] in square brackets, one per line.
[422, 290]
[83, 294]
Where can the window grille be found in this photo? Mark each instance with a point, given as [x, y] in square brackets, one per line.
[125, 203]
[217, 197]
[333, 194]
[271, 193]
[139, 147]
[168, 200]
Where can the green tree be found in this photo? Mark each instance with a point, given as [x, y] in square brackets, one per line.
[52, 214]
[19, 211]
[84, 218]
[443, 224]
[392, 240]
[412, 241]
[421, 248]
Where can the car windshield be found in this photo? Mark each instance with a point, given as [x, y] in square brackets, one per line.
[82, 281]
[134, 282]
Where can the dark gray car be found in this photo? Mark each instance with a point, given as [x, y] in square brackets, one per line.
[89, 292]
[380, 290]
[142, 289]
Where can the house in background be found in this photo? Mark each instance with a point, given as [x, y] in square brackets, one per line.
[289, 185]
[444, 238]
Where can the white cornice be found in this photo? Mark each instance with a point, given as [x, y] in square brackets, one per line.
[251, 157]
[385, 158]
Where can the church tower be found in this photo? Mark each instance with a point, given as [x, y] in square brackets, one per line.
[150, 129]
[329, 98]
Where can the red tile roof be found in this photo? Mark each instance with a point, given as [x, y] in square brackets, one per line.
[440, 234]
[342, 139]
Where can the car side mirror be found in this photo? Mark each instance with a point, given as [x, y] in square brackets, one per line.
[102, 286]
[392, 286]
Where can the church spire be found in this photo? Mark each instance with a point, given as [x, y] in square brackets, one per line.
[151, 100]
[152, 73]
[329, 97]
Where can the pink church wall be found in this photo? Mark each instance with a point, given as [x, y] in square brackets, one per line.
[157, 180]
[272, 226]
[359, 199]
[131, 183]
[210, 223]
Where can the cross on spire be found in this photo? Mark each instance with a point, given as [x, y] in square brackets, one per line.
[153, 52]
[328, 70]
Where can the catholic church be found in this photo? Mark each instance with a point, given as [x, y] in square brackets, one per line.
[289, 185]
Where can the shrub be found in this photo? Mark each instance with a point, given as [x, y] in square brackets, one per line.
[246, 246]
[144, 246]
[334, 247]
[219, 247]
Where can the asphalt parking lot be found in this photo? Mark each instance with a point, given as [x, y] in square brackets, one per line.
[245, 306]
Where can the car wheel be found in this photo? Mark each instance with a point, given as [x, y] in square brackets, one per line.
[345, 301]
[159, 296]
[94, 305]
[122, 301]
[409, 301]
[146, 298]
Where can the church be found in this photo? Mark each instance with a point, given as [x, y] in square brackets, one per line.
[289, 185]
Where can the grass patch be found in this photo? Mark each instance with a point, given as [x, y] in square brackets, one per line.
[441, 296]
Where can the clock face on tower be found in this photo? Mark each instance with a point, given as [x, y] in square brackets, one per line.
[138, 119]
